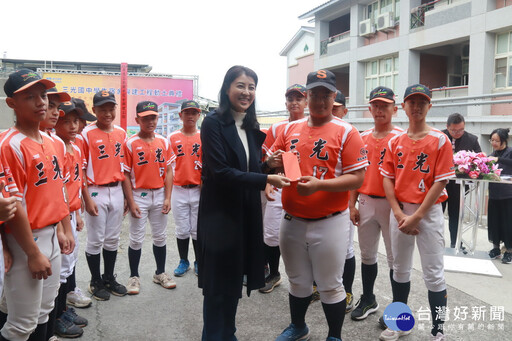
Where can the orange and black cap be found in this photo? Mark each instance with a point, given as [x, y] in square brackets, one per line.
[103, 97]
[69, 106]
[381, 93]
[190, 104]
[146, 108]
[340, 99]
[418, 89]
[323, 78]
[86, 115]
[63, 96]
[24, 79]
[301, 89]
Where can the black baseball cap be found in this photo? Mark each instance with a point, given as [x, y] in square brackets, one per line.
[381, 93]
[190, 104]
[146, 108]
[301, 89]
[63, 96]
[24, 79]
[418, 89]
[86, 115]
[340, 99]
[69, 106]
[323, 78]
[102, 97]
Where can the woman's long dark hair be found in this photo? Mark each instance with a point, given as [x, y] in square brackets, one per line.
[250, 121]
[502, 134]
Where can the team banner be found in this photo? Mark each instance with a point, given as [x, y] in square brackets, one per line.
[157, 89]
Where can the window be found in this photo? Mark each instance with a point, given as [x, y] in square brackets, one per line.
[373, 10]
[503, 61]
[381, 72]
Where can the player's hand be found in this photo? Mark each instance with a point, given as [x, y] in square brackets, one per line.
[135, 211]
[63, 242]
[276, 159]
[278, 181]
[79, 222]
[354, 216]
[307, 185]
[269, 191]
[166, 208]
[7, 205]
[409, 225]
[92, 208]
[39, 265]
[7, 259]
[71, 242]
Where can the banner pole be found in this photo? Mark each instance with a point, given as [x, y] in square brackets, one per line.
[124, 95]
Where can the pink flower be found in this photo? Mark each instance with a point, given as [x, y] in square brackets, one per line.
[474, 174]
[498, 171]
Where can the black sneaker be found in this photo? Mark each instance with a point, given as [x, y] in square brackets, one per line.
[382, 324]
[113, 287]
[365, 306]
[72, 316]
[507, 258]
[68, 329]
[98, 291]
[494, 253]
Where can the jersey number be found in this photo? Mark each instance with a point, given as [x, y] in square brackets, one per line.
[319, 170]
[421, 186]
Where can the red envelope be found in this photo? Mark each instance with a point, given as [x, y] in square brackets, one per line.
[291, 166]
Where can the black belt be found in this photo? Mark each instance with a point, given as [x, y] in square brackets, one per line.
[189, 186]
[376, 196]
[111, 184]
[289, 216]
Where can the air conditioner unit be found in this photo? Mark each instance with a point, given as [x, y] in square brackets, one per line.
[366, 28]
[385, 21]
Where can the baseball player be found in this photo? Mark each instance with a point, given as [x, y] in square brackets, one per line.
[372, 215]
[295, 104]
[7, 211]
[315, 228]
[104, 200]
[147, 188]
[416, 168]
[186, 146]
[33, 172]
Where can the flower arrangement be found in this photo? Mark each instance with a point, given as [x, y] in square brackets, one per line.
[475, 166]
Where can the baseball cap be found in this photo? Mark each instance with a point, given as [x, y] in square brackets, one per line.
[301, 89]
[102, 97]
[146, 108]
[69, 106]
[24, 79]
[418, 89]
[323, 78]
[381, 93]
[190, 104]
[63, 96]
[340, 99]
[86, 115]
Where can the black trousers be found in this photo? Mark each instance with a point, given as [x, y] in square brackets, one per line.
[453, 203]
[499, 222]
[219, 312]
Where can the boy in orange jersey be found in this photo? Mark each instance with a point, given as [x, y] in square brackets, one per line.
[33, 172]
[315, 229]
[104, 200]
[372, 215]
[295, 103]
[85, 116]
[186, 146]
[147, 187]
[416, 168]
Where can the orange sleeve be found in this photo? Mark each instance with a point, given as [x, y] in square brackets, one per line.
[354, 154]
[444, 164]
[14, 171]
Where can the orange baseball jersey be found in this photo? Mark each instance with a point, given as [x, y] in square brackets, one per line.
[60, 146]
[104, 154]
[3, 193]
[376, 149]
[73, 163]
[325, 152]
[34, 176]
[187, 157]
[79, 141]
[273, 132]
[147, 162]
[416, 165]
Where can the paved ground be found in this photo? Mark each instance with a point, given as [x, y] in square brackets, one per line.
[160, 314]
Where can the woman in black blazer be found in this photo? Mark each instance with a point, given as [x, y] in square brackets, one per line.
[230, 231]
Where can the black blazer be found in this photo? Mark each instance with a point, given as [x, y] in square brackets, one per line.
[466, 142]
[230, 228]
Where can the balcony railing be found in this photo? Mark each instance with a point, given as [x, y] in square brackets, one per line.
[418, 14]
[324, 43]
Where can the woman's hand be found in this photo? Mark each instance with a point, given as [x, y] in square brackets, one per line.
[276, 159]
[278, 181]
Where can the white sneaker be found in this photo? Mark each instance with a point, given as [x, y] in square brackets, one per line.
[54, 338]
[164, 280]
[133, 286]
[78, 299]
[439, 337]
[391, 335]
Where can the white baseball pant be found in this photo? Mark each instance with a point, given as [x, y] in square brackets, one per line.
[316, 251]
[68, 262]
[272, 220]
[104, 229]
[29, 301]
[374, 216]
[184, 207]
[430, 243]
[150, 202]
[350, 245]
